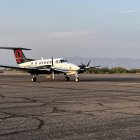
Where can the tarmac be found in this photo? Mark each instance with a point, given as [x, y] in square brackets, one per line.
[99, 107]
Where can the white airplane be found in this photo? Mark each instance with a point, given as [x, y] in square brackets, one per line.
[45, 66]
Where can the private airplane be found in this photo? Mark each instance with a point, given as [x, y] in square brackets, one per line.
[45, 66]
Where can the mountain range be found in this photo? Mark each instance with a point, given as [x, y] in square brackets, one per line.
[128, 63]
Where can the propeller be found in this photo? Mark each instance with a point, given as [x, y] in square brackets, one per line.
[83, 66]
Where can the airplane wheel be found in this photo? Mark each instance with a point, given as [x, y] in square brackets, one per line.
[77, 79]
[34, 79]
[67, 79]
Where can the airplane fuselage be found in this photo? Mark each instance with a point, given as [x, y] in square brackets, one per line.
[58, 63]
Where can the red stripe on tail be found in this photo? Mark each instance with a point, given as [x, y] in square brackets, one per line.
[18, 55]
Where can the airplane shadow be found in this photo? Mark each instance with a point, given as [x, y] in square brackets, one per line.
[95, 79]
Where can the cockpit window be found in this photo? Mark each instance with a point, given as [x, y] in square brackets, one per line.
[62, 60]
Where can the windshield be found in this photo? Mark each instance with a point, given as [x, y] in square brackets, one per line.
[62, 61]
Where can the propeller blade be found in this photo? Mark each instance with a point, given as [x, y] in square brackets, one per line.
[88, 63]
[83, 65]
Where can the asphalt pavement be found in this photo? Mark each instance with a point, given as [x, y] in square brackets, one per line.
[99, 107]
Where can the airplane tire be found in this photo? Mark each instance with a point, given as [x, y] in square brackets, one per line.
[34, 79]
[77, 80]
[67, 79]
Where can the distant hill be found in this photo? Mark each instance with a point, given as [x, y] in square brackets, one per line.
[128, 63]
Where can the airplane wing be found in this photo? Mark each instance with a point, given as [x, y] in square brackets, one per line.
[34, 70]
[28, 70]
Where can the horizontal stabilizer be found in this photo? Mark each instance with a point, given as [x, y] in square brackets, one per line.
[19, 55]
[14, 48]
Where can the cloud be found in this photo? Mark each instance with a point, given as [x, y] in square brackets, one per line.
[48, 37]
[68, 34]
[128, 11]
[56, 44]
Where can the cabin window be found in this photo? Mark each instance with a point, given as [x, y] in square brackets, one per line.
[32, 63]
[36, 63]
[56, 61]
[39, 63]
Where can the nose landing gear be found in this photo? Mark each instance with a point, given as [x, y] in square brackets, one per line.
[67, 78]
[76, 77]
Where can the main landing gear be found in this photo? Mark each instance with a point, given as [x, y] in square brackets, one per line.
[34, 79]
[67, 78]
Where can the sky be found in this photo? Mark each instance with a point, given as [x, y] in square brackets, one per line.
[68, 28]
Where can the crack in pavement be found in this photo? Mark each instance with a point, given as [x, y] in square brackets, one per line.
[110, 109]
[32, 100]
[11, 115]
[56, 110]
[2, 95]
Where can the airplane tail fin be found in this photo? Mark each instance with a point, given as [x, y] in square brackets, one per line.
[19, 55]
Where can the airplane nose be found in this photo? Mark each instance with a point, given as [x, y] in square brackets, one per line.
[77, 68]
[74, 67]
